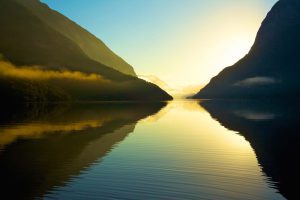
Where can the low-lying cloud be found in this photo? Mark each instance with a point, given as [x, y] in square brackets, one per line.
[256, 81]
[35, 73]
[255, 115]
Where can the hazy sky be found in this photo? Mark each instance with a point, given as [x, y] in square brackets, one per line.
[183, 42]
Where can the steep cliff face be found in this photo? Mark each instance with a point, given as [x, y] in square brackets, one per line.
[272, 66]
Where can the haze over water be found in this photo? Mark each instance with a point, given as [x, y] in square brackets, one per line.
[126, 151]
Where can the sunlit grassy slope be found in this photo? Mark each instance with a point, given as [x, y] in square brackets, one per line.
[27, 39]
[93, 47]
[32, 84]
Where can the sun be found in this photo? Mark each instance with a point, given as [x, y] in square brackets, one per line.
[235, 49]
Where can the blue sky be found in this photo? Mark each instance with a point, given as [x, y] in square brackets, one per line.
[183, 42]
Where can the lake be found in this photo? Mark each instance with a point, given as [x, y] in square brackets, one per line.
[177, 150]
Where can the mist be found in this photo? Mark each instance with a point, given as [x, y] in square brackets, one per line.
[8, 69]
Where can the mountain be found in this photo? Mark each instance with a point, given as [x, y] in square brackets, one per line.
[272, 67]
[34, 36]
[94, 48]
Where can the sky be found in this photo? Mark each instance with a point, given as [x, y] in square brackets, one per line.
[182, 42]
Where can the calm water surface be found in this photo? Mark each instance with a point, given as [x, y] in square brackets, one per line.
[179, 150]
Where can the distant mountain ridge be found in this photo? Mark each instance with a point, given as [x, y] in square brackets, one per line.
[272, 67]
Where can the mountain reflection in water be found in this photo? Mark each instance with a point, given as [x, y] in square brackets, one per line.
[42, 147]
[164, 151]
[272, 128]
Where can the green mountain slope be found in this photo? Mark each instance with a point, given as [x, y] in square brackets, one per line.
[26, 40]
[94, 48]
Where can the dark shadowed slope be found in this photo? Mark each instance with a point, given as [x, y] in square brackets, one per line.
[272, 128]
[46, 147]
[272, 67]
[34, 35]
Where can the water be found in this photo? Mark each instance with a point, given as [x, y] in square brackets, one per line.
[182, 150]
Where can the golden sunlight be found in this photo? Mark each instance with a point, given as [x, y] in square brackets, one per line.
[7, 69]
[237, 48]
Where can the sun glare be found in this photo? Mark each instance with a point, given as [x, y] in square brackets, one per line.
[236, 49]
